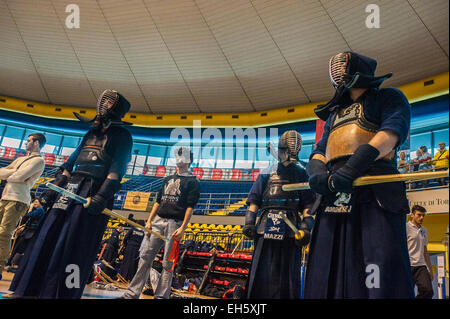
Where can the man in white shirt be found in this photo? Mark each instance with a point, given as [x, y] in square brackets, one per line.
[418, 253]
[20, 177]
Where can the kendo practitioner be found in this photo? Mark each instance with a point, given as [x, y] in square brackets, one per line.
[26, 232]
[358, 247]
[70, 236]
[112, 245]
[131, 243]
[169, 217]
[276, 262]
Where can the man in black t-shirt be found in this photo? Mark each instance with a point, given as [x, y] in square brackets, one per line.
[169, 217]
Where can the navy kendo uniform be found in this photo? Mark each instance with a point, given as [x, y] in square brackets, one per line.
[70, 236]
[31, 220]
[131, 243]
[277, 255]
[111, 252]
[358, 247]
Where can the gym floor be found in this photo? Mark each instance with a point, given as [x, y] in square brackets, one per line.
[91, 292]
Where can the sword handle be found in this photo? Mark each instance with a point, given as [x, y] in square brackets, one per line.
[299, 235]
[88, 202]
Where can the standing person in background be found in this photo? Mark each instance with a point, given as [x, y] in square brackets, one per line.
[415, 161]
[26, 232]
[131, 243]
[418, 254]
[403, 166]
[169, 217]
[112, 245]
[424, 160]
[440, 161]
[415, 167]
[20, 176]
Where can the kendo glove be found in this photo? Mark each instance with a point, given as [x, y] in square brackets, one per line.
[357, 165]
[105, 193]
[306, 226]
[49, 196]
[318, 176]
[249, 229]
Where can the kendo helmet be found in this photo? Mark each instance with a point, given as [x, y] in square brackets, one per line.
[349, 70]
[112, 105]
[289, 145]
[111, 108]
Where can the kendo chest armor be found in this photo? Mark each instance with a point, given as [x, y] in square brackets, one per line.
[93, 159]
[275, 198]
[350, 129]
[276, 201]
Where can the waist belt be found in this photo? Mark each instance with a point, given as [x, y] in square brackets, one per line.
[92, 170]
[334, 165]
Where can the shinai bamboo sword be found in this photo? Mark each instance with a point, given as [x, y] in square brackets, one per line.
[378, 179]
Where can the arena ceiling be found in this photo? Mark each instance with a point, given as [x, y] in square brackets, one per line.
[210, 56]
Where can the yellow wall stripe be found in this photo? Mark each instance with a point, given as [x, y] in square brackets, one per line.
[415, 91]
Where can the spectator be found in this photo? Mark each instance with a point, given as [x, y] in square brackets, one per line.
[403, 166]
[25, 233]
[131, 243]
[424, 163]
[20, 176]
[415, 161]
[424, 158]
[112, 245]
[440, 161]
[418, 253]
[415, 167]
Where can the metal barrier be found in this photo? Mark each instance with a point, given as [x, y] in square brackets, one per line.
[427, 184]
[221, 203]
[208, 203]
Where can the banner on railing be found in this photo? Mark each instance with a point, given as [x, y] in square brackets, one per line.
[50, 159]
[215, 174]
[136, 201]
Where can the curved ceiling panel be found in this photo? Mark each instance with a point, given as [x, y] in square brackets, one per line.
[209, 56]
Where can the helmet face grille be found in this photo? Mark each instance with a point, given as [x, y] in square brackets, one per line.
[294, 142]
[106, 102]
[338, 68]
[291, 142]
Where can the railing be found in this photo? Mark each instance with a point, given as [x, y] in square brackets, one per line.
[209, 203]
[427, 184]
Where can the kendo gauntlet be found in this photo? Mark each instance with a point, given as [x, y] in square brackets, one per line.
[105, 193]
[249, 229]
[318, 176]
[357, 165]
